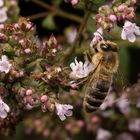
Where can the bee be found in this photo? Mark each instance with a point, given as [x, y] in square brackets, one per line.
[106, 63]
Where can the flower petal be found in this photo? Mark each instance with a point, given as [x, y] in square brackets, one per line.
[137, 31]
[3, 114]
[68, 113]
[4, 58]
[6, 107]
[132, 38]
[62, 117]
[123, 35]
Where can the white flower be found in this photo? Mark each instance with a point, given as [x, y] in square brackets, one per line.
[97, 37]
[124, 105]
[109, 100]
[4, 109]
[134, 125]
[129, 31]
[4, 64]
[3, 14]
[1, 3]
[71, 34]
[103, 134]
[80, 70]
[63, 110]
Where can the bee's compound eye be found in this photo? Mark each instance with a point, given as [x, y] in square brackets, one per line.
[104, 47]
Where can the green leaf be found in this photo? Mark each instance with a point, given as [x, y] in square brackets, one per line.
[49, 23]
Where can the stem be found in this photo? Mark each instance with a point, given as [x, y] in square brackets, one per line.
[39, 15]
[81, 29]
[57, 12]
[42, 4]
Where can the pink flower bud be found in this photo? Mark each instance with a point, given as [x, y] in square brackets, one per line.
[68, 127]
[27, 51]
[80, 123]
[46, 133]
[22, 93]
[1, 26]
[113, 18]
[95, 119]
[44, 98]
[17, 26]
[131, 9]
[121, 7]
[29, 92]
[130, 17]
[74, 2]
[29, 26]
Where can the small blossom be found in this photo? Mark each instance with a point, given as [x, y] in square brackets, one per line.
[71, 34]
[124, 105]
[129, 31]
[1, 3]
[97, 37]
[3, 14]
[4, 109]
[122, 7]
[80, 70]
[113, 18]
[27, 51]
[44, 98]
[134, 125]
[63, 110]
[103, 134]
[4, 64]
[108, 102]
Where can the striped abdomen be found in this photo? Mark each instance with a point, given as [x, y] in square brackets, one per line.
[96, 96]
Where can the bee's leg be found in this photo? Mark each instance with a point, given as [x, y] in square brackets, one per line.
[88, 57]
[83, 80]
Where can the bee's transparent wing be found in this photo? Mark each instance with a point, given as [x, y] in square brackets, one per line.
[119, 82]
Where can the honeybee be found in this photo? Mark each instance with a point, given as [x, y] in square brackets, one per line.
[106, 63]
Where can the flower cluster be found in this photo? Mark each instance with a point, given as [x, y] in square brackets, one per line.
[113, 113]
[121, 13]
[105, 18]
[27, 74]
[31, 78]
[29, 100]
[50, 48]
[125, 11]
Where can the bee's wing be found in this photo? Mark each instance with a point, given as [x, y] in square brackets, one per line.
[120, 82]
[93, 78]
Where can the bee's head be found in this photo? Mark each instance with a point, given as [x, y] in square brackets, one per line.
[105, 46]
